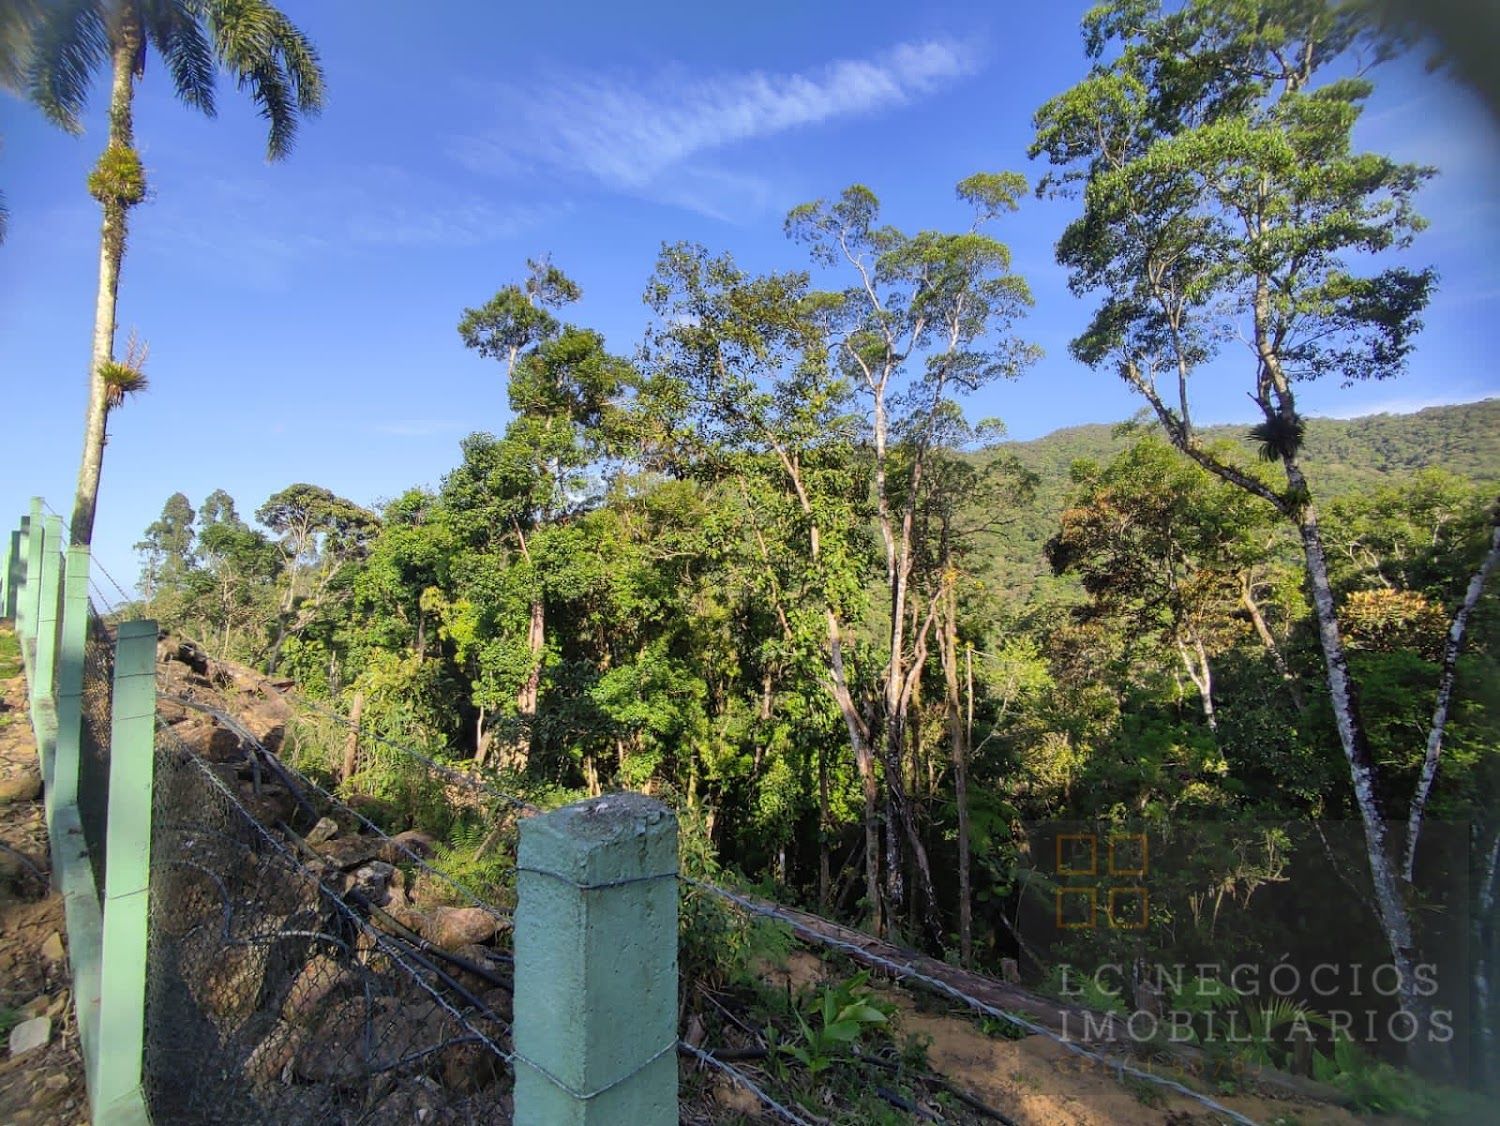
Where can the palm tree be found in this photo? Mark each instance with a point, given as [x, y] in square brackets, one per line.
[67, 41]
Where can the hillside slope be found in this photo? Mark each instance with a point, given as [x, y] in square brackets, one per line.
[1342, 456]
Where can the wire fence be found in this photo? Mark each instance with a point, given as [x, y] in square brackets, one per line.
[903, 972]
[94, 744]
[283, 986]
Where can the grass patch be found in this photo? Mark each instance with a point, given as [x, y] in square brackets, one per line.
[10, 654]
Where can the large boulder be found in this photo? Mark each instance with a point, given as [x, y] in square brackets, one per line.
[453, 927]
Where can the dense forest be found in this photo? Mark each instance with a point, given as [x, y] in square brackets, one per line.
[763, 565]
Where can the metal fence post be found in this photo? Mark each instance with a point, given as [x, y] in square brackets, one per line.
[596, 965]
[61, 773]
[120, 1041]
[46, 612]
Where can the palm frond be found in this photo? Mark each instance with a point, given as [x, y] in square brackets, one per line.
[18, 18]
[271, 60]
[69, 41]
[174, 28]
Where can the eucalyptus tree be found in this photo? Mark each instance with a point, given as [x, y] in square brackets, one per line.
[927, 319]
[65, 44]
[1223, 199]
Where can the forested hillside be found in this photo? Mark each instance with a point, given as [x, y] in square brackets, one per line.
[1346, 454]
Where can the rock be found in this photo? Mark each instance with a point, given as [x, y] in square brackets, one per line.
[419, 1100]
[409, 842]
[319, 978]
[350, 852]
[30, 1034]
[373, 880]
[452, 927]
[325, 830]
[231, 984]
[52, 948]
[272, 1055]
[23, 786]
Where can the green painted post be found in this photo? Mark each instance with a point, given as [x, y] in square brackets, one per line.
[596, 965]
[62, 777]
[46, 613]
[8, 576]
[15, 571]
[15, 601]
[120, 1041]
[33, 574]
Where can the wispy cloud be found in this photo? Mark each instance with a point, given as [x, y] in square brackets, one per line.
[263, 235]
[640, 134]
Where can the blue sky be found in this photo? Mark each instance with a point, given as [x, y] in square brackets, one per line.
[301, 316]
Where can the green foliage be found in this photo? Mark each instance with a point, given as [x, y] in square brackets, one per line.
[118, 179]
[1376, 1086]
[831, 1025]
[10, 654]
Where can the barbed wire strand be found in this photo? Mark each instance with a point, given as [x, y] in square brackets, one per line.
[94, 564]
[911, 973]
[245, 736]
[739, 1078]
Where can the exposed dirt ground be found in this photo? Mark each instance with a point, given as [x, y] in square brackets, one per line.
[44, 1085]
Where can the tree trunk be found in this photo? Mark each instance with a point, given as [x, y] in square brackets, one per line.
[526, 699]
[864, 763]
[958, 737]
[1452, 648]
[1263, 631]
[126, 44]
[1201, 674]
[351, 741]
[825, 879]
[1390, 891]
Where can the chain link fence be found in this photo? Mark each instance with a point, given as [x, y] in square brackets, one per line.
[284, 986]
[93, 750]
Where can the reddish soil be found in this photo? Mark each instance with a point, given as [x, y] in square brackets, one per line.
[44, 1085]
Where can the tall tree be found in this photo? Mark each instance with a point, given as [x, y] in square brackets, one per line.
[562, 387]
[927, 320]
[167, 548]
[318, 535]
[1223, 199]
[66, 43]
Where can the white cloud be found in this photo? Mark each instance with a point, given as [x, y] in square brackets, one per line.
[640, 134]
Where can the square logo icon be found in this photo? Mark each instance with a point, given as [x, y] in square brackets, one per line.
[1129, 854]
[1077, 854]
[1076, 908]
[1128, 909]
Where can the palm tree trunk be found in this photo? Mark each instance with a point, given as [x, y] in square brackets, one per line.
[111, 252]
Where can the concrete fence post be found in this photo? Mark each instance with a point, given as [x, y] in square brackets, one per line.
[596, 965]
[61, 773]
[12, 572]
[16, 599]
[27, 608]
[46, 612]
[121, 1030]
